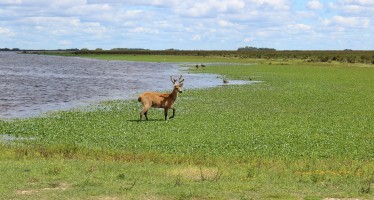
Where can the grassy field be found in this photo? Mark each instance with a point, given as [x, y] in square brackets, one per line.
[346, 56]
[305, 132]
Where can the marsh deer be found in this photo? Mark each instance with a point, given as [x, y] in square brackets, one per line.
[160, 100]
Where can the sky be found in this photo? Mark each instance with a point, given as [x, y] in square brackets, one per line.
[187, 24]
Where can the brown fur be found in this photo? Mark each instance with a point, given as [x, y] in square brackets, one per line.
[160, 100]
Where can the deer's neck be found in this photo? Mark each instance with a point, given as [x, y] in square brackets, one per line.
[174, 94]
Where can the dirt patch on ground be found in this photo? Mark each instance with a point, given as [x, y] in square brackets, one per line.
[52, 186]
[194, 173]
[341, 199]
[108, 198]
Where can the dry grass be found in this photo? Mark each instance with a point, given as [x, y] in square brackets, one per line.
[53, 186]
[342, 199]
[194, 173]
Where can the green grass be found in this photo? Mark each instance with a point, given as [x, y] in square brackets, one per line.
[365, 57]
[305, 131]
[158, 58]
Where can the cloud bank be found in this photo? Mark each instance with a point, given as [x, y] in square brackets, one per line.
[187, 24]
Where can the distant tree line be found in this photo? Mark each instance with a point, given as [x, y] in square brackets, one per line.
[73, 49]
[30, 50]
[248, 48]
[129, 49]
[7, 49]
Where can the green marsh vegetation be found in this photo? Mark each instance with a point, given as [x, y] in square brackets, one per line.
[305, 132]
[346, 56]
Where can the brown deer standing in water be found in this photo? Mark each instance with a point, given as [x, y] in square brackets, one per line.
[160, 100]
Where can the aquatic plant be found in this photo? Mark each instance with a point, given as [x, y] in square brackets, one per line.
[306, 127]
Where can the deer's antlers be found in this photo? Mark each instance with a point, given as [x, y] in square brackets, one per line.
[173, 80]
[180, 80]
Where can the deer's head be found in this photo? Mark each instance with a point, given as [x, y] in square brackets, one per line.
[177, 86]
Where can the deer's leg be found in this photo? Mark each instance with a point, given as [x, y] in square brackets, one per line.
[173, 113]
[144, 112]
[166, 113]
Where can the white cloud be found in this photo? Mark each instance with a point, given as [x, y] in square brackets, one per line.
[314, 5]
[10, 2]
[346, 22]
[89, 9]
[6, 32]
[300, 27]
[353, 7]
[271, 4]
[225, 23]
[52, 3]
[61, 27]
[185, 24]
[65, 42]
[210, 8]
[357, 2]
[248, 39]
[144, 30]
[196, 37]
[39, 28]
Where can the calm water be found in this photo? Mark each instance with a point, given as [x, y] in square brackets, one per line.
[34, 84]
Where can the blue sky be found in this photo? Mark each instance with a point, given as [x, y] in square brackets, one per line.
[187, 24]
